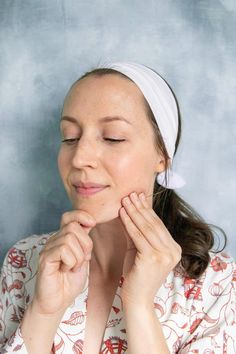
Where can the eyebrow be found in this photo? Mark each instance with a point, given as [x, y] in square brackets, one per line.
[102, 120]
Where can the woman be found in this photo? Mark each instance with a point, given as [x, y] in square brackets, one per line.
[155, 285]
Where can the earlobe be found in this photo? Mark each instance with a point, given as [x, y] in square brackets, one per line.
[162, 166]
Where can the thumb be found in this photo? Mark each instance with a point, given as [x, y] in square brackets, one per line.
[130, 255]
[87, 227]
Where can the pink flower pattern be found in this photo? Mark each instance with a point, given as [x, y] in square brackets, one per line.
[197, 316]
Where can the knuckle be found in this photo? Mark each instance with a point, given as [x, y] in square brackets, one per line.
[72, 226]
[138, 233]
[167, 260]
[64, 248]
[179, 254]
[88, 247]
[147, 227]
[79, 258]
[64, 218]
[153, 258]
[179, 249]
[160, 225]
[171, 259]
[70, 237]
[67, 228]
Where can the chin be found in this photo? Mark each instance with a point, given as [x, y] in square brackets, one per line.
[102, 214]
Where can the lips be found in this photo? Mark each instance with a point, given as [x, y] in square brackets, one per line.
[88, 185]
[89, 191]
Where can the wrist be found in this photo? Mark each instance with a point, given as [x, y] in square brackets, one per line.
[38, 329]
[132, 306]
[35, 310]
[45, 323]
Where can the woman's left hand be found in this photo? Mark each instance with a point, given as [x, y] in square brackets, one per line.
[151, 252]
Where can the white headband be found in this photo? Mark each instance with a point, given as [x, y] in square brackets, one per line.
[164, 108]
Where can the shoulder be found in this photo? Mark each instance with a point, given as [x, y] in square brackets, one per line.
[218, 277]
[25, 251]
[210, 304]
[221, 268]
[19, 270]
[216, 284]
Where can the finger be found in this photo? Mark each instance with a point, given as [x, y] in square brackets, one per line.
[137, 237]
[53, 259]
[149, 214]
[80, 216]
[143, 199]
[72, 228]
[150, 228]
[142, 205]
[71, 240]
[143, 245]
[68, 259]
[81, 235]
[163, 230]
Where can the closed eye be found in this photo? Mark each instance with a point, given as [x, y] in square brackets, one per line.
[73, 140]
[114, 140]
[69, 141]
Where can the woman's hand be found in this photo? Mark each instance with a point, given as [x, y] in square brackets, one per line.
[151, 252]
[63, 264]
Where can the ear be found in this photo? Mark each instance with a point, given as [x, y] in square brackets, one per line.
[160, 167]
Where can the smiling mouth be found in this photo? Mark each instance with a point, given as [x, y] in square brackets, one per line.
[89, 191]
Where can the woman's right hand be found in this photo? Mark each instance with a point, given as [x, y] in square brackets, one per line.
[63, 264]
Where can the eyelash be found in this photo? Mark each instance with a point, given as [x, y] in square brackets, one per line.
[72, 141]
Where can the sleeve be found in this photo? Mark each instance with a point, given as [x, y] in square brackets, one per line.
[11, 340]
[212, 325]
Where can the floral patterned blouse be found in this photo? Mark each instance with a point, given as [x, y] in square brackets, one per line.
[197, 316]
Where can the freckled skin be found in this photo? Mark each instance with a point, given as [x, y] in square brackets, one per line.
[126, 166]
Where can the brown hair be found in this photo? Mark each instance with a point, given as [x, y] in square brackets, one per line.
[187, 227]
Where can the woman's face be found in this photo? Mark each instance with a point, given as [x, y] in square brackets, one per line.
[124, 167]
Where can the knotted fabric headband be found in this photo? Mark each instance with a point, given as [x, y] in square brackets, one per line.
[163, 105]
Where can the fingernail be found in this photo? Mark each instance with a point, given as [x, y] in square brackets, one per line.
[127, 200]
[142, 196]
[134, 195]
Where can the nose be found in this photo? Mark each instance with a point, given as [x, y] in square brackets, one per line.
[84, 154]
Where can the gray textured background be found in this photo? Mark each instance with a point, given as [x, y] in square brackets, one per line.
[44, 47]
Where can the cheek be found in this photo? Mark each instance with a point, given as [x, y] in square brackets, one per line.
[133, 171]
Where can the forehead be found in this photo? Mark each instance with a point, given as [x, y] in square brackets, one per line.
[104, 96]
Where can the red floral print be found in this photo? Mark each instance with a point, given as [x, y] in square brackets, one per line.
[218, 265]
[197, 315]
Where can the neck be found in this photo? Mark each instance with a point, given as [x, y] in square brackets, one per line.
[109, 247]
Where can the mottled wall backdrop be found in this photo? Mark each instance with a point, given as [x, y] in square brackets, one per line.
[45, 45]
